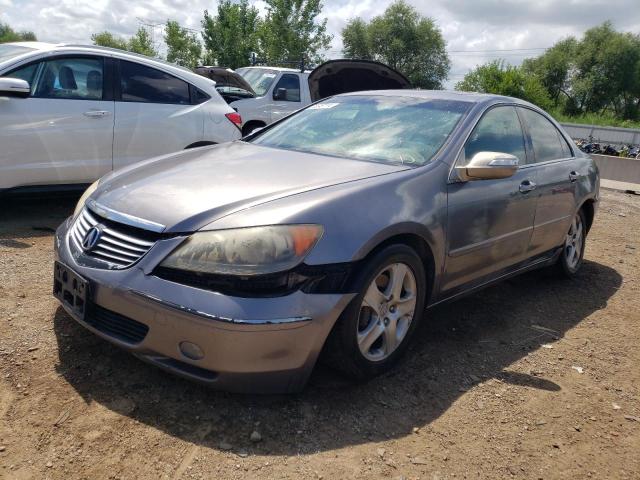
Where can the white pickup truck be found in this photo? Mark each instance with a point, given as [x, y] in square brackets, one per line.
[263, 95]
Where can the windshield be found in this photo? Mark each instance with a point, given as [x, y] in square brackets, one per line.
[260, 79]
[385, 129]
[9, 51]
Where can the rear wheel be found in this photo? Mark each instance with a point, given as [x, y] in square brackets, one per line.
[570, 259]
[377, 326]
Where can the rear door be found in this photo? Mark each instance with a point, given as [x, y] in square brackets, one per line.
[292, 101]
[490, 221]
[557, 174]
[62, 133]
[154, 114]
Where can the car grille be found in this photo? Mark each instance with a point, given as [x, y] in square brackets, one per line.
[114, 246]
[115, 325]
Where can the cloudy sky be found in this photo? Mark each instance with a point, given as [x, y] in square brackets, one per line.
[475, 30]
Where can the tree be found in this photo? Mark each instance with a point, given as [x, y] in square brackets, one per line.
[355, 38]
[291, 31]
[141, 43]
[230, 36]
[8, 34]
[107, 39]
[496, 77]
[404, 40]
[183, 47]
[595, 74]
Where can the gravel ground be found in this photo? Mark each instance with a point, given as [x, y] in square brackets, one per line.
[535, 378]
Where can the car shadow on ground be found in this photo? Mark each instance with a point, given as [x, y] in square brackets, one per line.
[29, 217]
[472, 340]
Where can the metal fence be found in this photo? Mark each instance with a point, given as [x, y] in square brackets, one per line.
[604, 135]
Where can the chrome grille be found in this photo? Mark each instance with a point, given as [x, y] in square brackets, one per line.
[114, 247]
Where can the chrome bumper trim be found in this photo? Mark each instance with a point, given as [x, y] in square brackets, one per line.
[209, 316]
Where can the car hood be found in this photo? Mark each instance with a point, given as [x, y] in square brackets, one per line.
[225, 77]
[342, 76]
[186, 191]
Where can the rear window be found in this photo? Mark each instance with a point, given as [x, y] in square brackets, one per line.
[399, 130]
[140, 83]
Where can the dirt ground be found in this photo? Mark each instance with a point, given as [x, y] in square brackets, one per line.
[535, 378]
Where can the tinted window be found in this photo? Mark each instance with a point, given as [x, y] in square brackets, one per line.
[71, 78]
[145, 84]
[26, 73]
[292, 84]
[499, 130]
[544, 137]
[198, 96]
[385, 129]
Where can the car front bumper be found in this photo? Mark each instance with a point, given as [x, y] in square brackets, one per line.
[259, 345]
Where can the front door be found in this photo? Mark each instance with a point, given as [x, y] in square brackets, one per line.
[63, 132]
[291, 101]
[490, 221]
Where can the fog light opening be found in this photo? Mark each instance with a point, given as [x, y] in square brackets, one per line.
[191, 350]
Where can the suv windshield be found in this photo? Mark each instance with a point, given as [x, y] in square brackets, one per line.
[405, 130]
[260, 79]
[9, 51]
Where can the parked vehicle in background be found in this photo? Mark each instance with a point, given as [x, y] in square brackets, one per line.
[69, 114]
[263, 95]
[330, 231]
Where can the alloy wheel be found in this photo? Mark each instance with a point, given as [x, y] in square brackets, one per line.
[574, 243]
[386, 312]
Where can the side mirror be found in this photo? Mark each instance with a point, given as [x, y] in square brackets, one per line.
[487, 166]
[280, 94]
[14, 87]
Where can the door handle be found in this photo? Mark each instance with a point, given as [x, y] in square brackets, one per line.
[97, 113]
[573, 176]
[527, 186]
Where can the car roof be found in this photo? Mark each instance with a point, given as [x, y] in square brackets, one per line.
[177, 70]
[471, 97]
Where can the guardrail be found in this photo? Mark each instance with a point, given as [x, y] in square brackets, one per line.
[621, 169]
[604, 135]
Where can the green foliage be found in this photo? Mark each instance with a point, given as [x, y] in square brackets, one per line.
[606, 119]
[8, 34]
[290, 31]
[496, 77]
[230, 36]
[183, 47]
[140, 42]
[107, 39]
[404, 40]
[599, 74]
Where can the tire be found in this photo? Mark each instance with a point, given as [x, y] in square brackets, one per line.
[570, 260]
[354, 332]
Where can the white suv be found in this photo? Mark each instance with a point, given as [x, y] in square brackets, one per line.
[70, 114]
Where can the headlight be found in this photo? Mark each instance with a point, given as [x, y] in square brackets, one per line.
[83, 199]
[245, 251]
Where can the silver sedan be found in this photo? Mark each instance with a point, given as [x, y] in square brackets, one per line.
[326, 235]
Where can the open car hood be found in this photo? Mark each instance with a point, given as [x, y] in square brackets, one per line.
[343, 76]
[224, 77]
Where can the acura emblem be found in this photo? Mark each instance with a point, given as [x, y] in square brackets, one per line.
[91, 238]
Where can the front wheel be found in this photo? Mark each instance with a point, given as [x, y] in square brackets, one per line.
[570, 259]
[375, 329]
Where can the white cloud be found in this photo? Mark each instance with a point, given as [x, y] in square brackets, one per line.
[466, 24]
